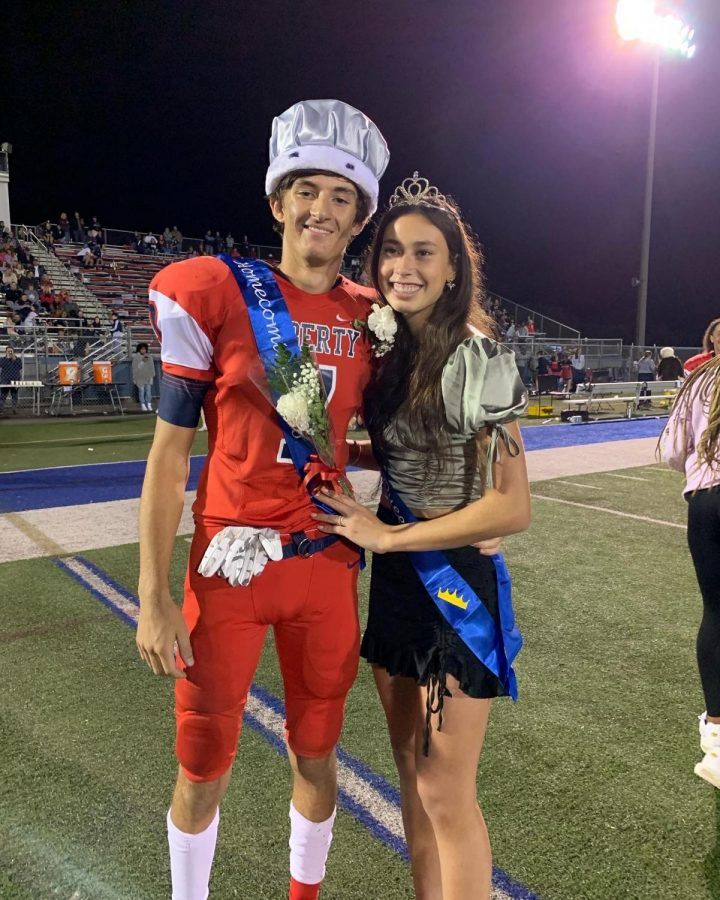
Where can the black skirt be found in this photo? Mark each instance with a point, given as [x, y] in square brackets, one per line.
[407, 634]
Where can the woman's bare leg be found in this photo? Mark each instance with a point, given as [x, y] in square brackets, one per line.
[402, 700]
[447, 787]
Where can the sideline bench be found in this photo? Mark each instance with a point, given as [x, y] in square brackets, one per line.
[628, 392]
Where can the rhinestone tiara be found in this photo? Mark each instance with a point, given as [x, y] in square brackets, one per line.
[415, 190]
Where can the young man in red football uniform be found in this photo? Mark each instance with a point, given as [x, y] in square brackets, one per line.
[325, 162]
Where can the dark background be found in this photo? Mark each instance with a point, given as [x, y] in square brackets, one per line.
[532, 113]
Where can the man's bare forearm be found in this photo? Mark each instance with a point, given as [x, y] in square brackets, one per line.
[161, 506]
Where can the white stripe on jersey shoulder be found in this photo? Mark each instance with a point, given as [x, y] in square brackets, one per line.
[183, 340]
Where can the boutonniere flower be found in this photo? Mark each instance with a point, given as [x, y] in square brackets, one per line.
[381, 326]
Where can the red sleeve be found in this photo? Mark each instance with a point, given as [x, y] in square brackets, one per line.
[188, 302]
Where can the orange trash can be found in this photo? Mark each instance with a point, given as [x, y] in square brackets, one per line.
[102, 372]
[69, 372]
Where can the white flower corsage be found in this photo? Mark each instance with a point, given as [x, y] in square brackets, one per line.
[382, 327]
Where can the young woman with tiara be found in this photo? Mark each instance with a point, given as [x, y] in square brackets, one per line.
[441, 410]
[690, 443]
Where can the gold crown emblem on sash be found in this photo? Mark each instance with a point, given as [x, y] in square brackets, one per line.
[415, 190]
[452, 598]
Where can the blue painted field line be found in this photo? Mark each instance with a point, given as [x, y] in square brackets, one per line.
[360, 813]
[77, 485]
[103, 575]
[99, 595]
[101, 482]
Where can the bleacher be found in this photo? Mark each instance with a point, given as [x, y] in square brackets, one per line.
[119, 282]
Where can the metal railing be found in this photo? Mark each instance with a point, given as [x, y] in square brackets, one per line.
[43, 348]
[124, 237]
[601, 351]
[549, 328]
[633, 352]
[63, 278]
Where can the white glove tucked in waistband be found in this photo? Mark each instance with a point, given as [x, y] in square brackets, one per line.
[238, 553]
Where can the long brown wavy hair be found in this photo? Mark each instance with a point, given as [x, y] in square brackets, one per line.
[702, 386]
[409, 376]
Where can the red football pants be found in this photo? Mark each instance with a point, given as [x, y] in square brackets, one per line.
[312, 605]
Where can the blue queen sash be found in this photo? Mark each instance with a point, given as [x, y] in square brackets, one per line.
[461, 607]
[272, 325]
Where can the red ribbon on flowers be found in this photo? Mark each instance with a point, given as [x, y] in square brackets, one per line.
[329, 477]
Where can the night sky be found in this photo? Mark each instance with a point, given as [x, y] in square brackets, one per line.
[531, 113]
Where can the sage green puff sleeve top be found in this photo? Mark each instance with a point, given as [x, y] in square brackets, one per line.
[481, 387]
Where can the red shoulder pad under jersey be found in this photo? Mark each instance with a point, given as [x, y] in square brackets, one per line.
[696, 361]
[365, 296]
[188, 304]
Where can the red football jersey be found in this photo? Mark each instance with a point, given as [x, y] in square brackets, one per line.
[204, 328]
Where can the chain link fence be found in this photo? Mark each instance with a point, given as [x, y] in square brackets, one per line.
[72, 371]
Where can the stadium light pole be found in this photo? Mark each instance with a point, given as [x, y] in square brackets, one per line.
[638, 20]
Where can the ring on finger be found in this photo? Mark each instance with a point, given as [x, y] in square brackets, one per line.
[340, 521]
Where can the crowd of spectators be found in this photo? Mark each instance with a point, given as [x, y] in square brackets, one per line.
[170, 242]
[536, 357]
[28, 298]
[510, 330]
[75, 230]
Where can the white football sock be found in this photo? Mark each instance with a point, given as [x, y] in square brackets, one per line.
[191, 857]
[309, 847]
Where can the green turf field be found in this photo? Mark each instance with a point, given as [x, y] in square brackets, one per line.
[31, 444]
[587, 783]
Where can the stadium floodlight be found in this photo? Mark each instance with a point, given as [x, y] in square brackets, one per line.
[639, 20]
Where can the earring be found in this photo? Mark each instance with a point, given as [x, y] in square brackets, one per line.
[449, 285]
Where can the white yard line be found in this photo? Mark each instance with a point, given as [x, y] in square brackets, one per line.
[593, 487]
[80, 438]
[111, 462]
[102, 587]
[626, 477]
[49, 863]
[612, 512]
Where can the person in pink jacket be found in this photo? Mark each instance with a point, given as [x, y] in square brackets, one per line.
[690, 443]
